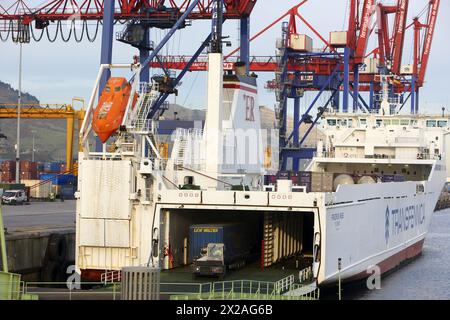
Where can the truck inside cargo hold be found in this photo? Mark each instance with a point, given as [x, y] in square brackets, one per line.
[227, 243]
[216, 248]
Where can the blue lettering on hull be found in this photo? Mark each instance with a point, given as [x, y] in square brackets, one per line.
[400, 220]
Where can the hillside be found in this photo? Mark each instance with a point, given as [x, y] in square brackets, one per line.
[10, 95]
[50, 136]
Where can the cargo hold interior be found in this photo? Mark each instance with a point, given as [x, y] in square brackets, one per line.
[273, 238]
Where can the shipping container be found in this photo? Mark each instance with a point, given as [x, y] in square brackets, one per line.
[59, 179]
[31, 182]
[67, 192]
[52, 167]
[237, 240]
[38, 188]
[7, 176]
[42, 191]
[338, 38]
[321, 182]
[8, 165]
[25, 176]
[301, 42]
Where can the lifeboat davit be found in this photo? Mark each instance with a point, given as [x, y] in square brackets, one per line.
[111, 107]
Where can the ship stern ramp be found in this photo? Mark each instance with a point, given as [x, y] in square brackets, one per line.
[280, 228]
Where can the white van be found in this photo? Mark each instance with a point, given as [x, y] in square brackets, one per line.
[14, 197]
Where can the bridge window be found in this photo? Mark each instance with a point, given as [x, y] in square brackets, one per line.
[431, 123]
[331, 122]
[442, 123]
[404, 122]
[363, 122]
[350, 122]
[379, 122]
[387, 122]
[395, 122]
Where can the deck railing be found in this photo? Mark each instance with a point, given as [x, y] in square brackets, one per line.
[223, 290]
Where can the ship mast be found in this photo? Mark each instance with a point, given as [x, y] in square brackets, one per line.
[214, 113]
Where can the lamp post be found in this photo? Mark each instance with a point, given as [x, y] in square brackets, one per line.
[19, 101]
[34, 149]
[339, 278]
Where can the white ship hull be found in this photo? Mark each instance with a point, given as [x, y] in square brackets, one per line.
[365, 225]
[381, 231]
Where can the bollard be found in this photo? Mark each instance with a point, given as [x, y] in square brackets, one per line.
[339, 276]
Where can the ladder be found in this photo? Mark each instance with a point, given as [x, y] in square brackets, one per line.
[181, 151]
[145, 102]
[147, 96]
[268, 239]
[280, 74]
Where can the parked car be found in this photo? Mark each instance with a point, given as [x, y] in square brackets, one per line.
[14, 197]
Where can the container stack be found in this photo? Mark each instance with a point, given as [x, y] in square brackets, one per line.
[8, 171]
[28, 170]
[52, 167]
[62, 184]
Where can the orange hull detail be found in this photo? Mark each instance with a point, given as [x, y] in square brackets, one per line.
[111, 108]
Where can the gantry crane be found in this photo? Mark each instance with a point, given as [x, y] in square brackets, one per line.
[52, 111]
[336, 68]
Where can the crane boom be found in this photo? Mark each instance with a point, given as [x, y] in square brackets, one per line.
[430, 26]
[399, 35]
[364, 34]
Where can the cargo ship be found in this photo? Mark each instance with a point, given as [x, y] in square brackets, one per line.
[366, 198]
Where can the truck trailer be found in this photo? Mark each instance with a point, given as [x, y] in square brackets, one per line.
[216, 248]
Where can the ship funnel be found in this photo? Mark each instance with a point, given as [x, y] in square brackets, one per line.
[240, 68]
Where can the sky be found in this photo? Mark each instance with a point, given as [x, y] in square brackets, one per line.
[56, 72]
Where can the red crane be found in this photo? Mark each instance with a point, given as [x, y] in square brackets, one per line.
[389, 50]
[421, 57]
[55, 10]
[399, 35]
[364, 32]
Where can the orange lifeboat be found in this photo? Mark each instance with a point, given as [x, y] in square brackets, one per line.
[111, 107]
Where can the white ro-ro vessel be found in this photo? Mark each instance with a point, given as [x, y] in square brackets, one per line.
[365, 200]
